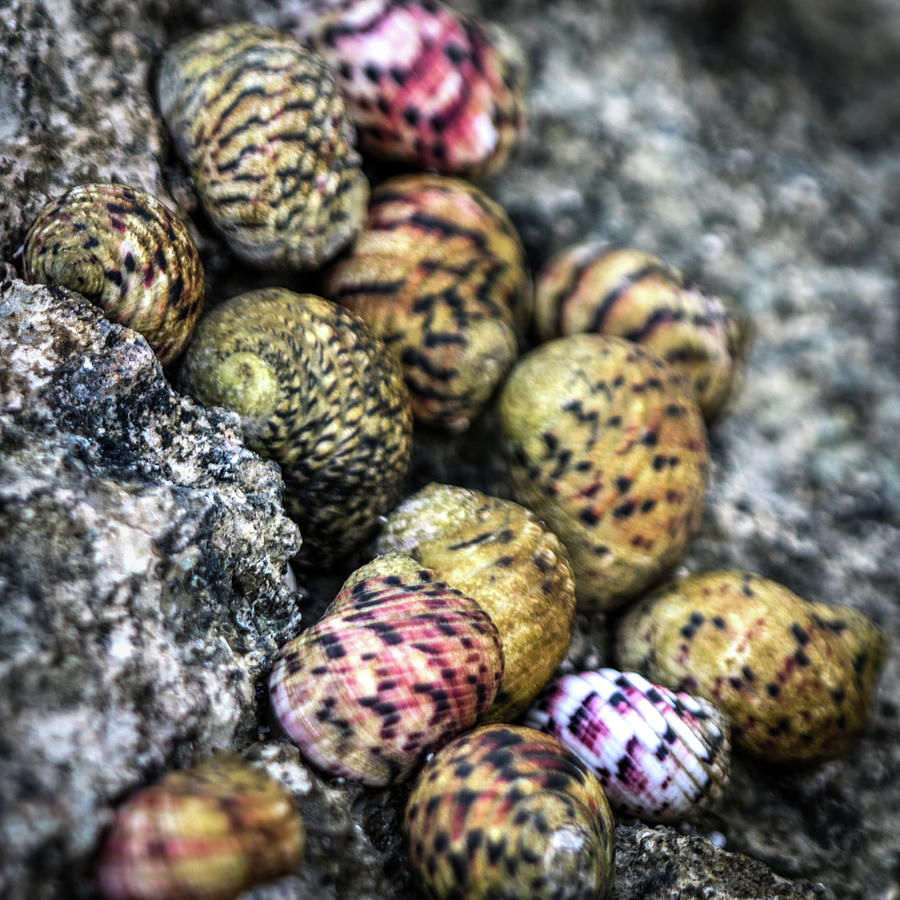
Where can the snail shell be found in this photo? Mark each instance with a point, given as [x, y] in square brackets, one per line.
[506, 812]
[499, 553]
[398, 665]
[609, 449]
[207, 833]
[259, 122]
[438, 274]
[424, 84]
[659, 756]
[796, 679]
[637, 296]
[123, 250]
[318, 393]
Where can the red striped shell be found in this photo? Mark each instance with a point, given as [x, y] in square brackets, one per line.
[659, 755]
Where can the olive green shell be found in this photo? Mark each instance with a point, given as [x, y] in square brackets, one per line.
[608, 447]
[257, 118]
[438, 274]
[318, 393]
[501, 554]
[208, 833]
[594, 288]
[123, 250]
[506, 812]
[795, 678]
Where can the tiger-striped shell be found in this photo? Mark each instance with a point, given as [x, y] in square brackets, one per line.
[608, 447]
[258, 120]
[659, 756]
[637, 296]
[506, 812]
[318, 393]
[438, 274]
[122, 249]
[424, 84]
[499, 553]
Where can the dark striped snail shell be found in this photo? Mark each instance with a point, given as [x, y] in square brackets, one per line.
[660, 756]
[506, 812]
[594, 288]
[125, 251]
[399, 664]
[425, 85]
[499, 553]
[608, 447]
[258, 120]
[207, 833]
[318, 393]
[795, 678]
[438, 274]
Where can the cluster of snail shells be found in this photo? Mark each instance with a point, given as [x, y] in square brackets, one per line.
[438, 273]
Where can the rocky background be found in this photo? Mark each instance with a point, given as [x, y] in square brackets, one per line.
[755, 145]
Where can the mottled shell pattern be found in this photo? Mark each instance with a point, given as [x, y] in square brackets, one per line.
[259, 122]
[660, 756]
[506, 812]
[125, 251]
[594, 288]
[424, 84]
[399, 664]
[319, 394]
[608, 447]
[796, 679]
[439, 275]
[208, 833]
[499, 553]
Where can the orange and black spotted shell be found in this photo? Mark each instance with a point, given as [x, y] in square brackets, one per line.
[262, 127]
[438, 274]
[594, 288]
[399, 664]
[607, 445]
[208, 833]
[125, 251]
[506, 812]
[320, 395]
[424, 84]
[502, 555]
[795, 678]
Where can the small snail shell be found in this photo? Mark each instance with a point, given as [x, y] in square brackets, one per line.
[208, 833]
[506, 812]
[659, 756]
[123, 250]
[398, 665]
[796, 679]
[606, 446]
[259, 122]
[424, 84]
[438, 274]
[318, 393]
[594, 288]
[499, 553]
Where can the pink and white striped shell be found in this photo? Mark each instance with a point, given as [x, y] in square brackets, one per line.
[659, 755]
[424, 84]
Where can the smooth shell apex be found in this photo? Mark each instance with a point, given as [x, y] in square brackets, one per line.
[318, 393]
[125, 251]
[660, 756]
[208, 833]
[607, 446]
[258, 120]
[499, 553]
[424, 84]
[398, 665]
[504, 813]
[795, 679]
